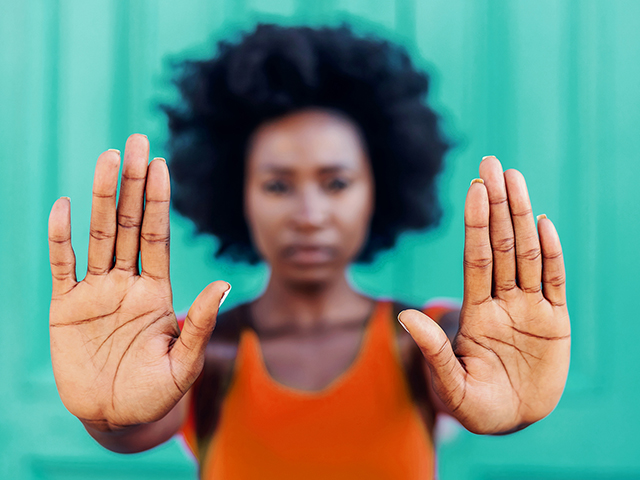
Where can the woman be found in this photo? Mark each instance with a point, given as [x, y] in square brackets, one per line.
[308, 149]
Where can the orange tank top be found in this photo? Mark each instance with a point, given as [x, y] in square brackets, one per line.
[363, 425]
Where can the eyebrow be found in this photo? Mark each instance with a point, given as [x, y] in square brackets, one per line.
[270, 168]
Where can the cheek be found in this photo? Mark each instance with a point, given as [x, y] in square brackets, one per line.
[257, 218]
[356, 219]
[264, 219]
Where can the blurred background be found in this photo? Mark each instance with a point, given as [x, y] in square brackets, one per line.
[551, 87]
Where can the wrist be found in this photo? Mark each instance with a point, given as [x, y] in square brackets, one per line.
[102, 427]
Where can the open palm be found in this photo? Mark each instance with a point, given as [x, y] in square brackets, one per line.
[118, 356]
[509, 362]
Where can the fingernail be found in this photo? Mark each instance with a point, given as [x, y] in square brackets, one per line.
[224, 296]
[489, 156]
[403, 326]
[160, 158]
[476, 180]
[540, 217]
[114, 150]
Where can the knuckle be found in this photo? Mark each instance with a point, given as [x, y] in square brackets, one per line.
[483, 301]
[156, 237]
[506, 286]
[504, 245]
[553, 255]
[530, 255]
[62, 265]
[60, 277]
[133, 178]
[100, 235]
[157, 201]
[439, 357]
[480, 263]
[152, 276]
[475, 226]
[523, 212]
[534, 289]
[92, 270]
[60, 240]
[193, 327]
[556, 280]
[99, 194]
[128, 221]
[125, 266]
[501, 200]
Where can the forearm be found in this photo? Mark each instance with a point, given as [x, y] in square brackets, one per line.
[138, 438]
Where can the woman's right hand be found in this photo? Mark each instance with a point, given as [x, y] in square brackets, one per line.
[118, 356]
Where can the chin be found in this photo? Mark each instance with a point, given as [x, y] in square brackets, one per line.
[311, 278]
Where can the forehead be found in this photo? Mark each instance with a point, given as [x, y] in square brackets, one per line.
[307, 140]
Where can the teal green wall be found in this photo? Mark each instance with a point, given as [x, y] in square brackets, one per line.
[549, 86]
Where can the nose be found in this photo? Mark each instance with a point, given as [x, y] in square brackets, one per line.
[312, 209]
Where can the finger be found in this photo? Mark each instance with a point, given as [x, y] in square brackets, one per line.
[187, 354]
[154, 238]
[448, 375]
[553, 274]
[130, 203]
[478, 260]
[528, 255]
[500, 226]
[61, 256]
[103, 213]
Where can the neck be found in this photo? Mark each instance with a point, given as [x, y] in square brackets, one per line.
[308, 306]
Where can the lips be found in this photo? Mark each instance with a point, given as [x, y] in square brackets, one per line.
[309, 254]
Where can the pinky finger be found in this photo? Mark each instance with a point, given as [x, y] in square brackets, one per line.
[553, 273]
[61, 256]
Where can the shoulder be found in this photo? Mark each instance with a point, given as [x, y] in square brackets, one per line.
[223, 345]
[403, 339]
[230, 324]
[217, 373]
[446, 313]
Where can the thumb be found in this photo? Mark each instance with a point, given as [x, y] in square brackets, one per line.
[187, 354]
[448, 375]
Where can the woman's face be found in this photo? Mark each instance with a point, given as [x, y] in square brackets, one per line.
[309, 195]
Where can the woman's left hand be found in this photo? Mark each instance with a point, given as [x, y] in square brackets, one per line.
[508, 364]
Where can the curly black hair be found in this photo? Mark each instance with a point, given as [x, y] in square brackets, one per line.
[274, 71]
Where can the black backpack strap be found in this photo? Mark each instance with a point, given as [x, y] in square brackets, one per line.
[416, 375]
[217, 373]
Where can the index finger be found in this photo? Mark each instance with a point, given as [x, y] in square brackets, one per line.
[154, 237]
[478, 258]
[553, 275]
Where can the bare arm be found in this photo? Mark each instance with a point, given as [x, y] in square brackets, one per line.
[138, 438]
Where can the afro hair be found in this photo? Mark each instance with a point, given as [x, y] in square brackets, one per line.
[274, 71]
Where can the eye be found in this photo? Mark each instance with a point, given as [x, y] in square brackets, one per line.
[278, 187]
[337, 184]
